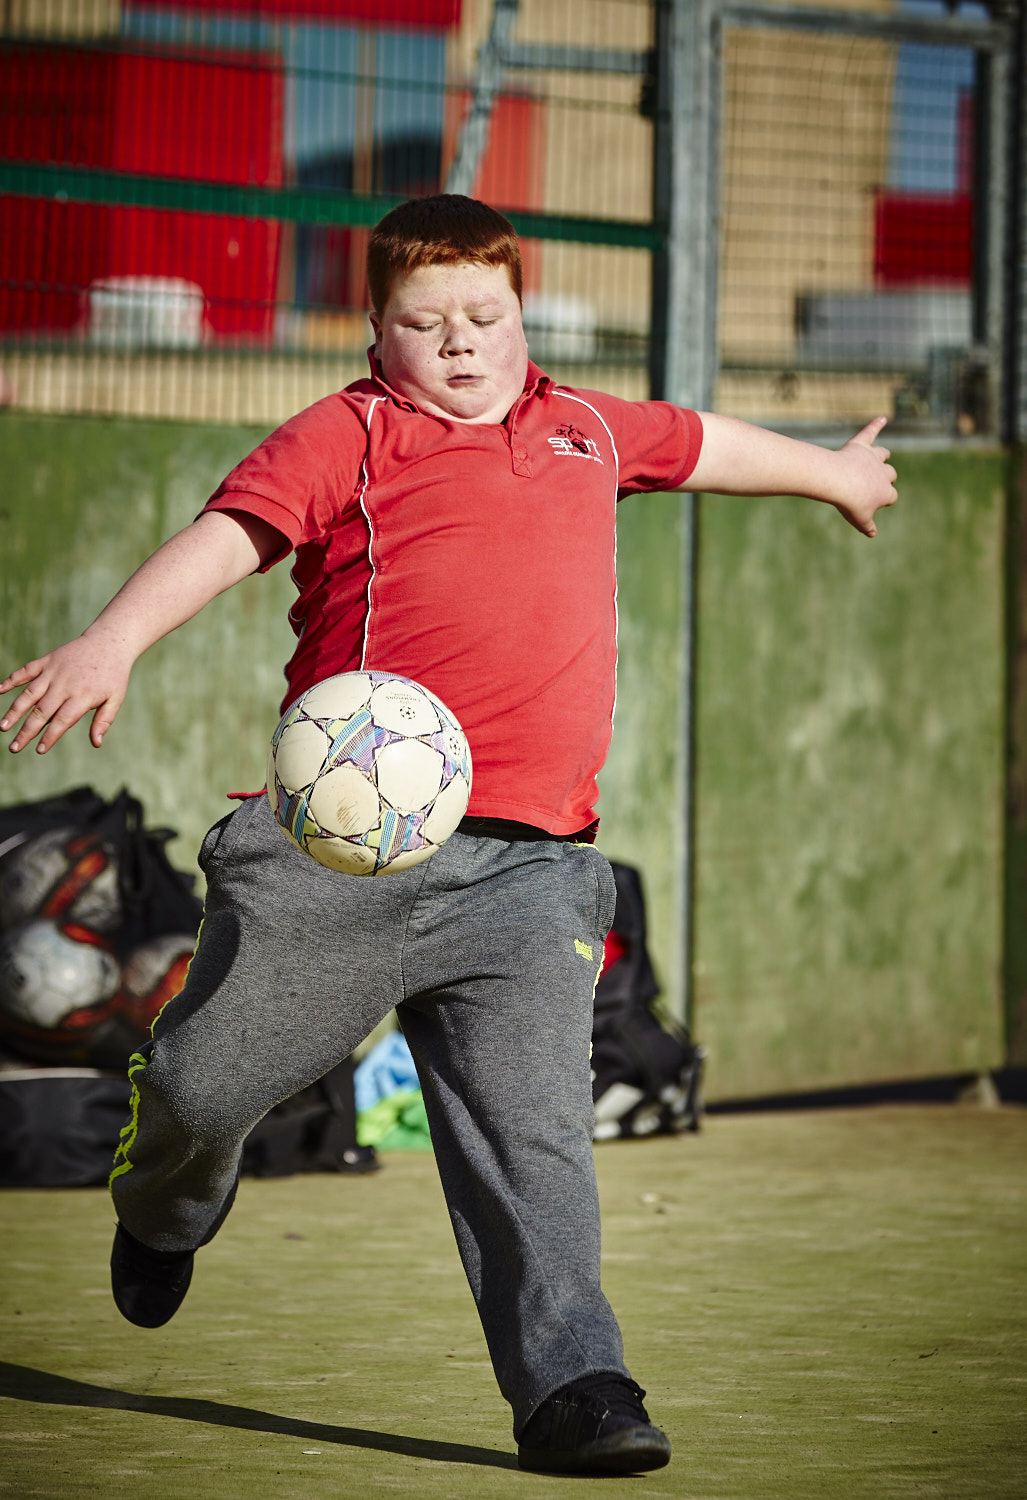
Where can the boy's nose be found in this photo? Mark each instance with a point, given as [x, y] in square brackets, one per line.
[458, 341]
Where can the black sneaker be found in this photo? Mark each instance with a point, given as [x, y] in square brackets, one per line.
[148, 1285]
[596, 1425]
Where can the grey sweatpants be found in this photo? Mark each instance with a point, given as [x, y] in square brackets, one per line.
[490, 952]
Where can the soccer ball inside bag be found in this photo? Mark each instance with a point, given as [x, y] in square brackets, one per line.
[368, 773]
[63, 874]
[58, 996]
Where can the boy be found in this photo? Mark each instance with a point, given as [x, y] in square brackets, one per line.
[453, 520]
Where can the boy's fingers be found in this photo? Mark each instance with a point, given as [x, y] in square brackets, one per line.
[18, 676]
[870, 431]
[18, 711]
[26, 703]
[49, 716]
[103, 719]
[47, 709]
[22, 675]
[61, 721]
[34, 723]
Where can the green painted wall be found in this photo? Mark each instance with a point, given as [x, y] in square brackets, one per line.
[640, 786]
[1015, 914]
[850, 772]
[849, 755]
[85, 501]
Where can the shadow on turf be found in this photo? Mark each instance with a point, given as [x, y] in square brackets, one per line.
[24, 1384]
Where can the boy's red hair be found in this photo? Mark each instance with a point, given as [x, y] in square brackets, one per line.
[444, 230]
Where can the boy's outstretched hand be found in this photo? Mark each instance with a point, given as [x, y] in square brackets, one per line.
[91, 672]
[737, 458]
[869, 480]
[62, 686]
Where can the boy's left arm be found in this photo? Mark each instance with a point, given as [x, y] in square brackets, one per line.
[739, 459]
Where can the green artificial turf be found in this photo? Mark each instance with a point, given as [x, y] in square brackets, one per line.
[819, 1304]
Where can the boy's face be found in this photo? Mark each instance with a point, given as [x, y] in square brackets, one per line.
[450, 339]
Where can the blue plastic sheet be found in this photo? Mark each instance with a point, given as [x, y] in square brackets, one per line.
[387, 1069]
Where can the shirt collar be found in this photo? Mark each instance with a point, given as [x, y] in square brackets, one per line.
[379, 379]
[537, 382]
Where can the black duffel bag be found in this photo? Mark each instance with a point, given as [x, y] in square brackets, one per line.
[59, 1126]
[646, 1070]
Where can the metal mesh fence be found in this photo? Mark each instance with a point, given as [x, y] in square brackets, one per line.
[187, 192]
[850, 231]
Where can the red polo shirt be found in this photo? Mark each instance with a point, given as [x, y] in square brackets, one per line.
[477, 559]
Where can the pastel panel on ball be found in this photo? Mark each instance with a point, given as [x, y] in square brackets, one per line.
[301, 754]
[409, 774]
[344, 802]
[337, 697]
[342, 855]
[450, 806]
[404, 708]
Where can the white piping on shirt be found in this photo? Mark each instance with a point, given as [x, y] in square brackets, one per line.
[370, 529]
[616, 614]
[378, 400]
[582, 402]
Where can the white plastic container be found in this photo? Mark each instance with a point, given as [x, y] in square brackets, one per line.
[559, 327]
[145, 312]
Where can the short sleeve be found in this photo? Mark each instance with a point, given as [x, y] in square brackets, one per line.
[657, 443]
[303, 477]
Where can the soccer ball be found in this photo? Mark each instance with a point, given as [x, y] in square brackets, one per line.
[58, 995]
[368, 773]
[61, 875]
[47, 972]
[154, 973]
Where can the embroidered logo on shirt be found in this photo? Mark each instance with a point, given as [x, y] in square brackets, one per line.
[570, 442]
[585, 949]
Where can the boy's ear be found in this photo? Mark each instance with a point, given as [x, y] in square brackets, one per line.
[372, 319]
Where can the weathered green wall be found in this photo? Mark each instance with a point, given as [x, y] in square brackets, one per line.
[849, 747]
[85, 500]
[1015, 914]
[850, 772]
[640, 786]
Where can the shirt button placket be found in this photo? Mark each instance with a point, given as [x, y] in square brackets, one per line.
[519, 460]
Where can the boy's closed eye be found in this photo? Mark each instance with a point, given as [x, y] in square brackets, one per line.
[433, 327]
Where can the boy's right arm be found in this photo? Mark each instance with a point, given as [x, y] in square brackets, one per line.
[193, 567]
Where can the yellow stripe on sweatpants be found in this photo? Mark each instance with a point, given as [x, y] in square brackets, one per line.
[137, 1063]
